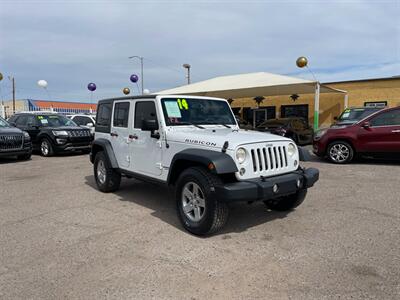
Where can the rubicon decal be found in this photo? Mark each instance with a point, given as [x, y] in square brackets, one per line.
[197, 142]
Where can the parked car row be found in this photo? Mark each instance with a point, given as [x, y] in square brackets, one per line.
[47, 132]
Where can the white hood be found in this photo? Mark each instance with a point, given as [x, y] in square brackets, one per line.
[216, 136]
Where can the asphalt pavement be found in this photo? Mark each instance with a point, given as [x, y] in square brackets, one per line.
[62, 238]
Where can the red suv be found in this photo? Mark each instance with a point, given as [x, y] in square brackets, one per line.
[375, 133]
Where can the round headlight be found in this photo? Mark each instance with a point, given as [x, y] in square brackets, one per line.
[291, 149]
[241, 155]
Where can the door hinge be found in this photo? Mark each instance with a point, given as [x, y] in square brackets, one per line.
[159, 165]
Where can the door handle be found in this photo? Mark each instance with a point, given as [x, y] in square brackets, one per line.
[114, 134]
[133, 137]
[396, 131]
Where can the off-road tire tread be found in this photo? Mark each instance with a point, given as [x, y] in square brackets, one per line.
[113, 178]
[221, 211]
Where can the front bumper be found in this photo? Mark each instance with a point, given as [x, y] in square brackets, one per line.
[263, 188]
[73, 147]
[27, 149]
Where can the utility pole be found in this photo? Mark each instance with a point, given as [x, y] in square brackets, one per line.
[13, 91]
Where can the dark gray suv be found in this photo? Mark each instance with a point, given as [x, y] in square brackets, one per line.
[14, 141]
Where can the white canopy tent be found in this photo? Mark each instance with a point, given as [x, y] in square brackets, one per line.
[256, 84]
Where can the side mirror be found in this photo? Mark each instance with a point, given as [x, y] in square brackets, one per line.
[89, 124]
[366, 125]
[149, 125]
[12, 124]
[335, 118]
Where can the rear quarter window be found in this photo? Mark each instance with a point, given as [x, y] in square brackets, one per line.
[103, 117]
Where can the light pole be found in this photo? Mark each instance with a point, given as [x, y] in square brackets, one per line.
[187, 66]
[302, 62]
[12, 79]
[141, 68]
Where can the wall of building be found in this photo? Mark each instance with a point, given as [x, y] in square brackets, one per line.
[332, 104]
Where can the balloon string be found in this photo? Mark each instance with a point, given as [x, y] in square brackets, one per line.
[137, 85]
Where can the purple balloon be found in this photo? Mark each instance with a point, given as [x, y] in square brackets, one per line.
[91, 87]
[134, 78]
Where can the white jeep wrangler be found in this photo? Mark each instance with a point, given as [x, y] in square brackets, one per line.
[194, 145]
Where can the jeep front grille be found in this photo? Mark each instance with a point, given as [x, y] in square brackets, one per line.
[269, 158]
[11, 142]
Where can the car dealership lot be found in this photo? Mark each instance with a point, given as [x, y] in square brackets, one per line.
[62, 238]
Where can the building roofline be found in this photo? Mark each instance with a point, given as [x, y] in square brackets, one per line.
[364, 80]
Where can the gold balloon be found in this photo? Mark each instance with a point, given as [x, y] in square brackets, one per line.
[126, 91]
[1, 77]
[301, 62]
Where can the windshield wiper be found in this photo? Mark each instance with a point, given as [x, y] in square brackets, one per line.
[216, 123]
[189, 123]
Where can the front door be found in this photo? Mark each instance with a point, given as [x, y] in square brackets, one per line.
[383, 133]
[145, 150]
[120, 132]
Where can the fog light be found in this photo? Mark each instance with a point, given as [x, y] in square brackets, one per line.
[299, 183]
[275, 188]
[295, 163]
[61, 141]
[242, 171]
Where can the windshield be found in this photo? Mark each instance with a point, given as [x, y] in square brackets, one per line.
[3, 123]
[55, 121]
[355, 114]
[186, 111]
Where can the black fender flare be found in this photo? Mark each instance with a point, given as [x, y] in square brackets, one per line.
[222, 162]
[304, 154]
[105, 146]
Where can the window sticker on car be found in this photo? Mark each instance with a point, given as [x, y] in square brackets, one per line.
[346, 114]
[183, 105]
[40, 117]
[44, 121]
[173, 110]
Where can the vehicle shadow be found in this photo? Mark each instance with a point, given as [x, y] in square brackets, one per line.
[11, 160]
[161, 201]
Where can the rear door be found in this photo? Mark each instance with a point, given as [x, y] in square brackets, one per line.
[120, 132]
[383, 134]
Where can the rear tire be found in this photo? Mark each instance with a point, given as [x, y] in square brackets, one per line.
[340, 152]
[287, 202]
[199, 211]
[107, 179]
[46, 148]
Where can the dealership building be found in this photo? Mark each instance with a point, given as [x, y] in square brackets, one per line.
[259, 96]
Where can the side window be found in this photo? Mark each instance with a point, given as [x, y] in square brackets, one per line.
[144, 110]
[22, 121]
[86, 120]
[104, 114]
[31, 121]
[121, 114]
[78, 120]
[390, 118]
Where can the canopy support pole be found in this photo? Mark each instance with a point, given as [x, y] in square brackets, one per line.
[346, 100]
[316, 106]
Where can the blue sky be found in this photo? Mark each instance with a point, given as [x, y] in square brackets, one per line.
[71, 43]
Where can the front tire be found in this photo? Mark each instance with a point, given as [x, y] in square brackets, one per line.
[199, 211]
[107, 179]
[46, 148]
[340, 152]
[287, 203]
